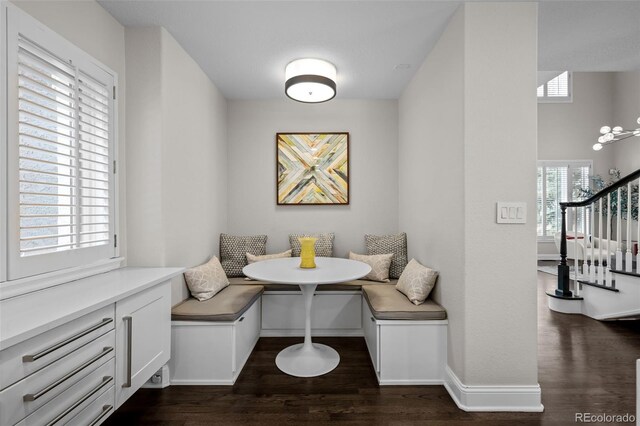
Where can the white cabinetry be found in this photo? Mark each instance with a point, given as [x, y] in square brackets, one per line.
[143, 333]
[371, 335]
[333, 313]
[65, 352]
[406, 352]
[213, 353]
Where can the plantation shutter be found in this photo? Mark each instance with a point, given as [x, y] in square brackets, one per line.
[559, 182]
[559, 86]
[94, 164]
[48, 159]
[61, 152]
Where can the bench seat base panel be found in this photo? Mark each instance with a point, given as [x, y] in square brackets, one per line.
[213, 353]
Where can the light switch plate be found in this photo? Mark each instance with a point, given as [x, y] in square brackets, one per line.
[511, 212]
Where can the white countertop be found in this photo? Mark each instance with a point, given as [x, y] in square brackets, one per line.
[328, 270]
[28, 315]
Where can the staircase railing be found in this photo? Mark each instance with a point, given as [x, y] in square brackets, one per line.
[597, 261]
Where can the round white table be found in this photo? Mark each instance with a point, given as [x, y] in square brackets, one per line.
[307, 359]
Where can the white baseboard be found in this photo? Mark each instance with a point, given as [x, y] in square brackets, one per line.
[202, 382]
[347, 332]
[410, 382]
[493, 398]
[548, 257]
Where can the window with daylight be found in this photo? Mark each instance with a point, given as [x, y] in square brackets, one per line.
[557, 89]
[560, 181]
[61, 151]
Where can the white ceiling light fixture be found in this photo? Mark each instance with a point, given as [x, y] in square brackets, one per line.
[616, 134]
[310, 80]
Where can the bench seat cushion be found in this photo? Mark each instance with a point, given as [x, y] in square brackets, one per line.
[387, 303]
[345, 286]
[228, 305]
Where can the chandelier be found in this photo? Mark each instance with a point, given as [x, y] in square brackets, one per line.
[609, 135]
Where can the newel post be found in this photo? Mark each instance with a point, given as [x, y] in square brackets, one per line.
[564, 288]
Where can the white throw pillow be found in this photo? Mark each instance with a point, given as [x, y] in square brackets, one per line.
[252, 258]
[206, 280]
[379, 263]
[416, 282]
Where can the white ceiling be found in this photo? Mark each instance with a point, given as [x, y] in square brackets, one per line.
[244, 45]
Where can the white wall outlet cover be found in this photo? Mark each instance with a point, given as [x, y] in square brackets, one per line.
[511, 212]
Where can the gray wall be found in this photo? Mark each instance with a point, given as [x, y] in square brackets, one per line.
[177, 159]
[626, 110]
[475, 131]
[567, 131]
[373, 161]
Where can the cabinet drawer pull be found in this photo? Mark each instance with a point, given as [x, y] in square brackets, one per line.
[106, 409]
[372, 320]
[129, 321]
[55, 347]
[35, 396]
[106, 380]
[241, 319]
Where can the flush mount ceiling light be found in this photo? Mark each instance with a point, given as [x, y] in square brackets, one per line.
[310, 80]
[616, 134]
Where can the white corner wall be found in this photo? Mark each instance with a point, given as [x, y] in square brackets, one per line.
[500, 165]
[431, 174]
[177, 159]
[373, 162]
[485, 104]
[87, 25]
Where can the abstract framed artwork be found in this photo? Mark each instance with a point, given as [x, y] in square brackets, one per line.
[312, 168]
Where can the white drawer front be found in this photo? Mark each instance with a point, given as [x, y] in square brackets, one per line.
[62, 410]
[26, 396]
[329, 311]
[23, 359]
[371, 335]
[97, 411]
[247, 331]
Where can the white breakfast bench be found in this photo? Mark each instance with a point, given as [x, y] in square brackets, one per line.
[212, 340]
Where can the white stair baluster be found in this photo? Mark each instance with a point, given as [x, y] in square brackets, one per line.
[629, 257]
[619, 231]
[575, 248]
[585, 264]
[592, 269]
[608, 272]
[600, 275]
[638, 234]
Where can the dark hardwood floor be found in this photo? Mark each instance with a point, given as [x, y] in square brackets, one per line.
[584, 366]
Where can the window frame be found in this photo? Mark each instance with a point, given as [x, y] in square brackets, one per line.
[3, 143]
[556, 163]
[43, 270]
[544, 99]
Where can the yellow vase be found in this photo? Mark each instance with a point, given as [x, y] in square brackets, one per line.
[307, 252]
